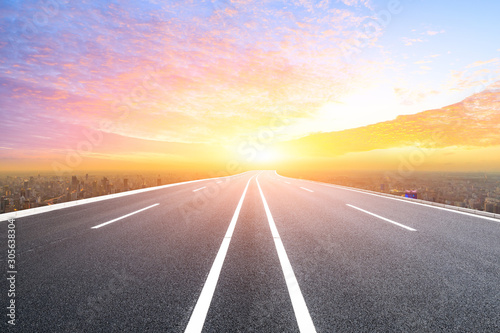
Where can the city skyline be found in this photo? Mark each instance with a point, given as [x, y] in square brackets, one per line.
[478, 191]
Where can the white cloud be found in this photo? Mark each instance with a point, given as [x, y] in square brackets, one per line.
[433, 32]
[482, 63]
[410, 41]
[365, 3]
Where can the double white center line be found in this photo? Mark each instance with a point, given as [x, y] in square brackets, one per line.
[200, 311]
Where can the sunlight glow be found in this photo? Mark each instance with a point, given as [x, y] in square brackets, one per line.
[267, 155]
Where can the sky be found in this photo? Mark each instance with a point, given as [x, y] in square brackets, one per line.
[170, 81]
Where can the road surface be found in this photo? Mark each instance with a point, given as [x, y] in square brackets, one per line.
[255, 252]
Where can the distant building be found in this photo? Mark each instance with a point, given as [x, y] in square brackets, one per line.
[8, 206]
[489, 207]
[74, 183]
[17, 204]
[26, 204]
[2, 204]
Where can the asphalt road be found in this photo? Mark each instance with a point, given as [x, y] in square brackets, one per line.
[255, 252]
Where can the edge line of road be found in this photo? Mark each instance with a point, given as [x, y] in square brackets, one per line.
[302, 315]
[197, 319]
[453, 209]
[44, 209]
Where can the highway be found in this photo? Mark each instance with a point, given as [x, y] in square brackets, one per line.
[255, 252]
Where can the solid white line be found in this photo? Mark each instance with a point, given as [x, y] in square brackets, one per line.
[306, 189]
[304, 320]
[383, 218]
[124, 216]
[405, 201]
[201, 188]
[200, 311]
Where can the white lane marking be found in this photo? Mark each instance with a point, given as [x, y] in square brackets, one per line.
[287, 182]
[201, 188]
[306, 189]
[383, 218]
[406, 201]
[200, 311]
[220, 181]
[124, 216]
[302, 315]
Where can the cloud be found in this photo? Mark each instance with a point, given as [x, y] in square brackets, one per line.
[365, 3]
[410, 41]
[477, 116]
[433, 33]
[482, 63]
[179, 71]
[420, 62]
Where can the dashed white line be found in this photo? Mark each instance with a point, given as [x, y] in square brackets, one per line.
[124, 216]
[200, 311]
[383, 218]
[287, 182]
[306, 189]
[302, 315]
[201, 188]
[220, 181]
